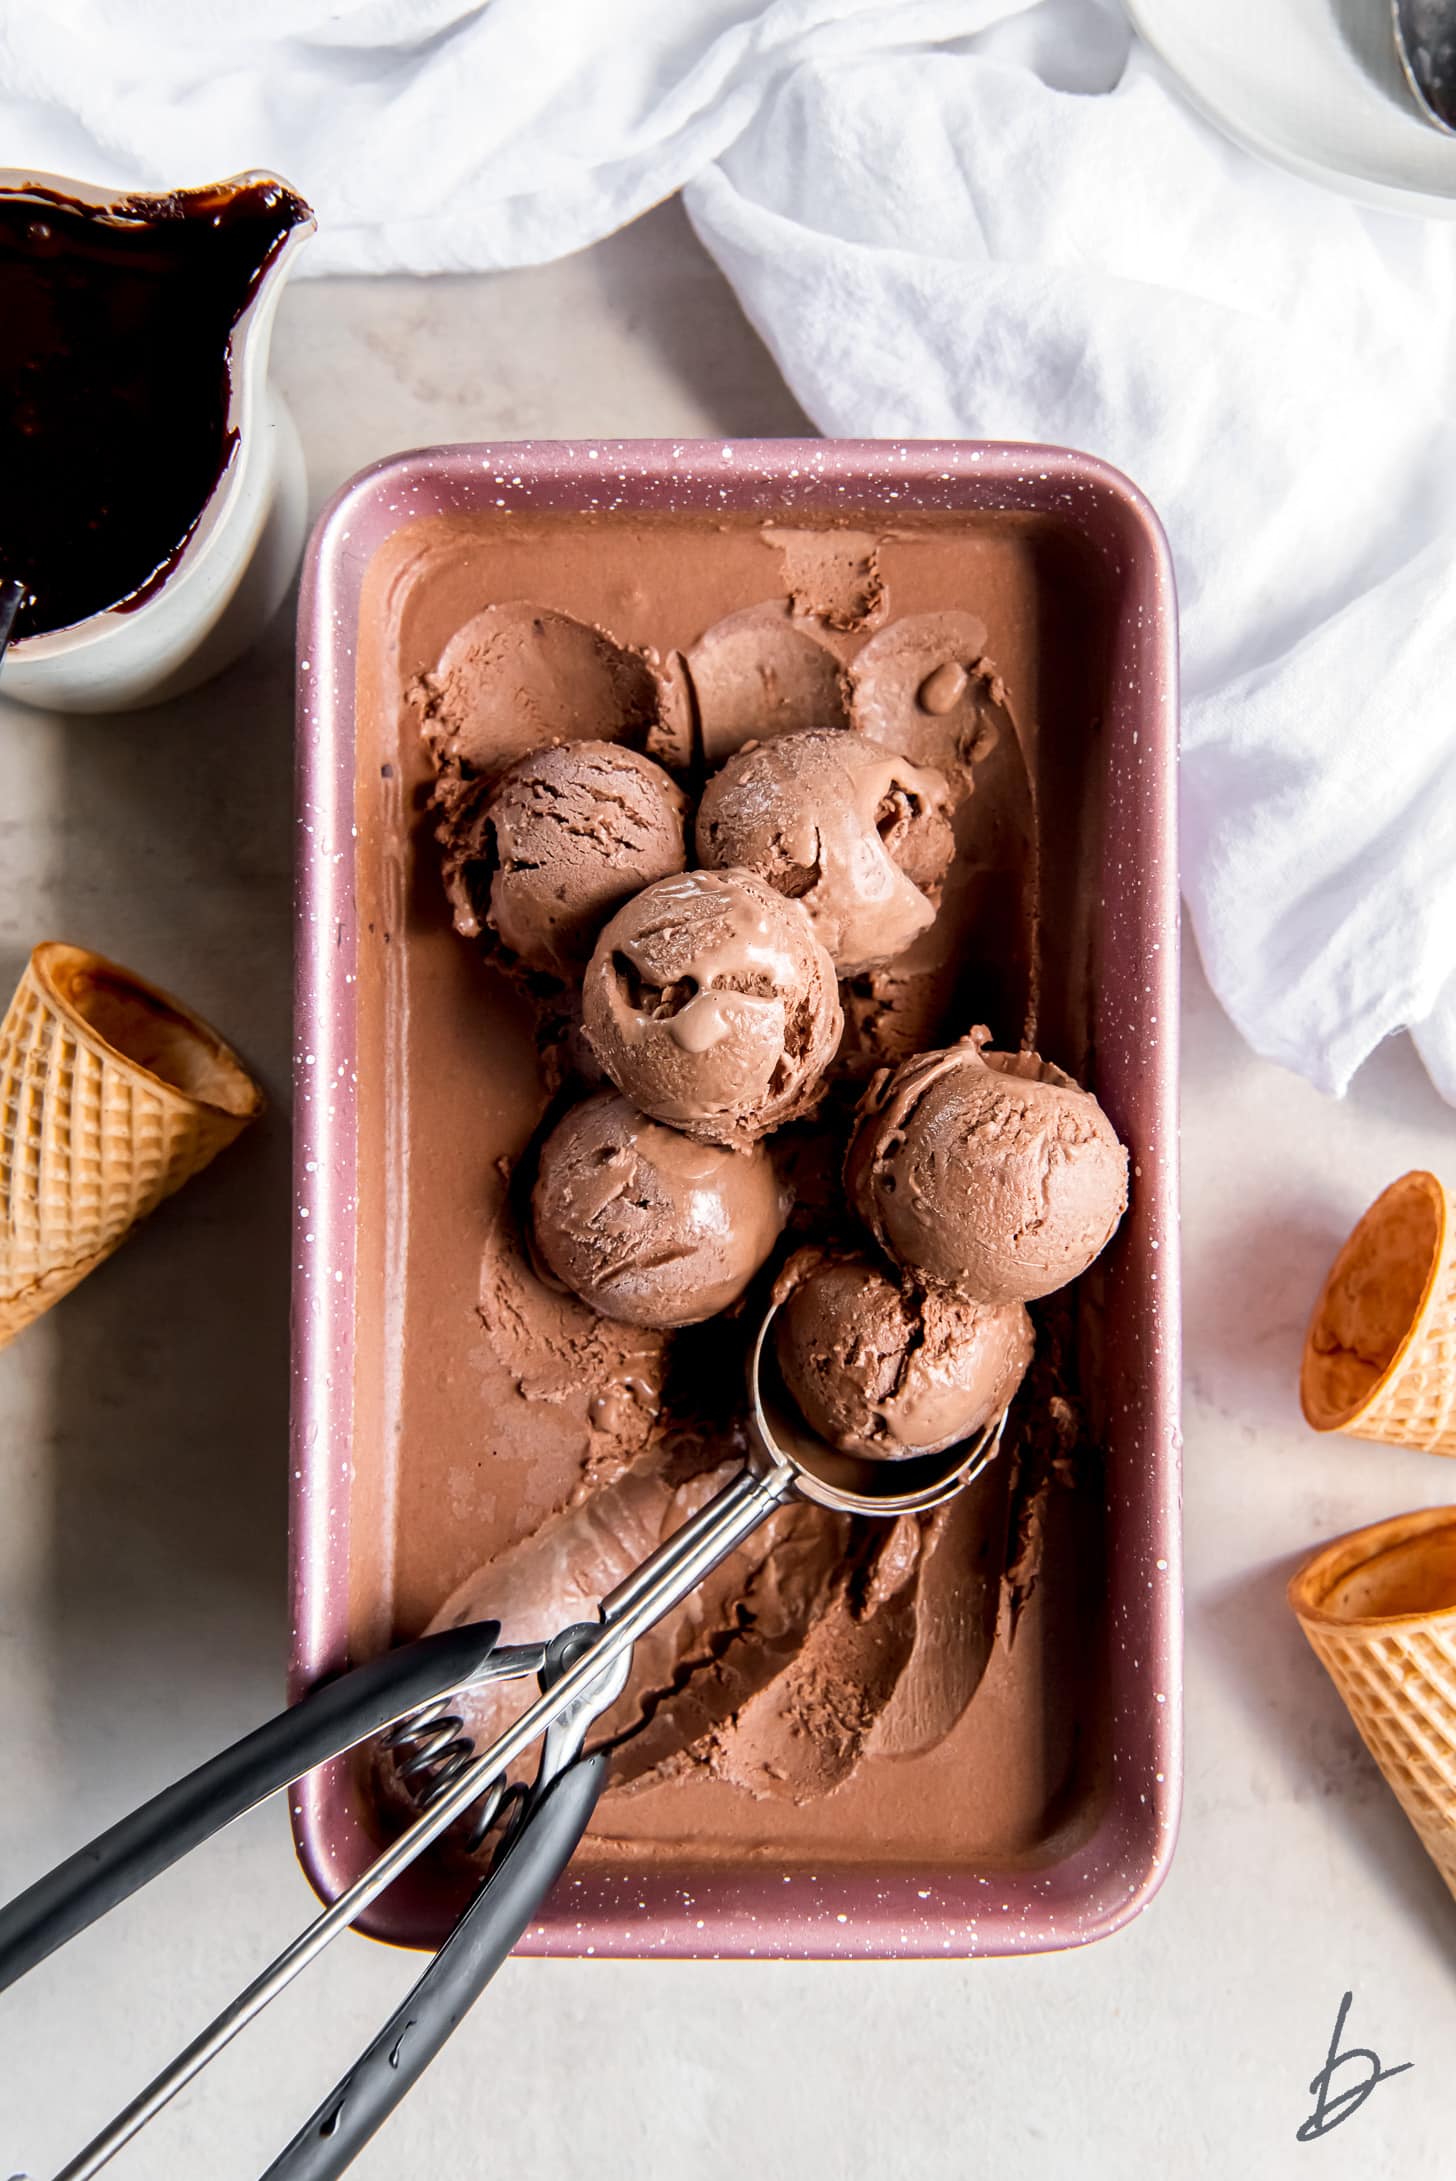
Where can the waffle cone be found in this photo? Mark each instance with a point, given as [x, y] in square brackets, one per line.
[1379, 1609]
[1380, 1354]
[112, 1094]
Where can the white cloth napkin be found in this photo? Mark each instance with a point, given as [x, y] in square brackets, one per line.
[975, 218]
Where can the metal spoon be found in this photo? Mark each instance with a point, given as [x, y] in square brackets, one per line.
[1425, 39]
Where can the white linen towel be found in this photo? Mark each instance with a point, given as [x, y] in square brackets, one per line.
[963, 218]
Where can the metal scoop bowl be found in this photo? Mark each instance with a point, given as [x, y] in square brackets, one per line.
[787, 1450]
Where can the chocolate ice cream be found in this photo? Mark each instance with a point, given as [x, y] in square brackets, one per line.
[563, 838]
[712, 1006]
[775, 1718]
[761, 673]
[923, 686]
[918, 685]
[902, 1007]
[646, 1225]
[991, 1174]
[883, 1370]
[518, 676]
[858, 835]
[832, 576]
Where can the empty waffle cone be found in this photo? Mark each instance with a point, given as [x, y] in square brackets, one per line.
[1380, 1353]
[1379, 1608]
[112, 1094]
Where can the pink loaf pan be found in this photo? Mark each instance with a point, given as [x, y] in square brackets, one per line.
[1095, 1875]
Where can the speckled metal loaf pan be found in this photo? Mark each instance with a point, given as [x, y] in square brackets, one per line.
[1108, 1843]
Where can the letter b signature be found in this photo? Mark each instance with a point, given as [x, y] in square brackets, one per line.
[1331, 2107]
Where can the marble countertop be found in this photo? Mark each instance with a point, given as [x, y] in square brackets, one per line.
[142, 1481]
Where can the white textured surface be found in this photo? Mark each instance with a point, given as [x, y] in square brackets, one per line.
[142, 1463]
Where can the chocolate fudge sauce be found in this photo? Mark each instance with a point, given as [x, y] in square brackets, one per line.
[115, 376]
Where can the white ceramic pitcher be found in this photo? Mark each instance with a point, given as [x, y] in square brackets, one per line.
[235, 568]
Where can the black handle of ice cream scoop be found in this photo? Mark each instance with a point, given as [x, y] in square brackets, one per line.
[465, 1964]
[330, 1719]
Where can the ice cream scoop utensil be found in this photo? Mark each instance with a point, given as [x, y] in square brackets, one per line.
[581, 1671]
[331, 1719]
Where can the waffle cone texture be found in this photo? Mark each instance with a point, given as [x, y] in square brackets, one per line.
[1379, 1609]
[112, 1095]
[1380, 1354]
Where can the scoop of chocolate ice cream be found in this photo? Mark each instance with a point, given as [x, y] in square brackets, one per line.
[712, 1006]
[992, 1174]
[886, 1371]
[519, 675]
[923, 685]
[761, 673]
[858, 835]
[563, 838]
[646, 1225]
